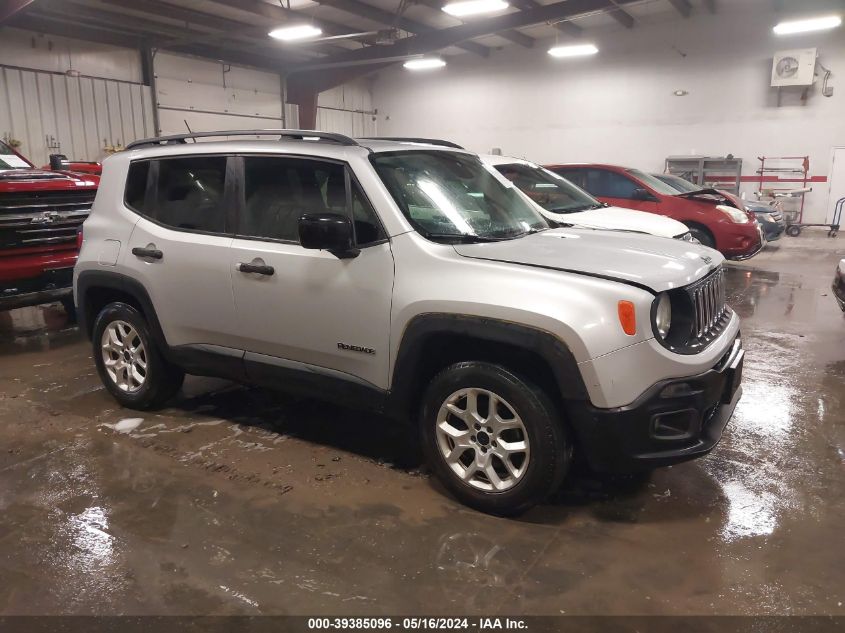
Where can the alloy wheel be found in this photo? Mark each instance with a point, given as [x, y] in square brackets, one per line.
[124, 356]
[482, 439]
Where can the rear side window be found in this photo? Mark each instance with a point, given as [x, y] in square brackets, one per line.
[601, 183]
[136, 186]
[278, 191]
[182, 193]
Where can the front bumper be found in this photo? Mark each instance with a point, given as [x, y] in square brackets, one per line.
[674, 421]
[51, 285]
[771, 229]
[757, 241]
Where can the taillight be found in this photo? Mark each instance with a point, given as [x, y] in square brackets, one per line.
[79, 238]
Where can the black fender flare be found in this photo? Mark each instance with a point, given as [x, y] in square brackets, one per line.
[425, 328]
[89, 280]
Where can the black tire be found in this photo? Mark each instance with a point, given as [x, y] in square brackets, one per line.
[793, 230]
[549, 445]
[702, 235]
[162, 380]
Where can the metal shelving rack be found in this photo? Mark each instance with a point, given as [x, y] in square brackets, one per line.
[803, 176]
[718, 172]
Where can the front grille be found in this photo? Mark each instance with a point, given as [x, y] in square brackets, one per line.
[39, 218]
[709, 307]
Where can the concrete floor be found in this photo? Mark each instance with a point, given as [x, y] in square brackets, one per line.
[237, 500]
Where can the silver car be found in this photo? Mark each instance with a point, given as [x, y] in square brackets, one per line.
[412, 280]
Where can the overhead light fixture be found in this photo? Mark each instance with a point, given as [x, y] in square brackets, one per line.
[681, 93]
[295, 33]
[578, 50]
[424, 63]
[805, 26]
[474, 7]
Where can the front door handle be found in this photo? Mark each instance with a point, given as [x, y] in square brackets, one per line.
[152, 253]
[260, 269]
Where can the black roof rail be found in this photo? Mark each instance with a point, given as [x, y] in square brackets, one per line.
[340, 139]
[411, 139]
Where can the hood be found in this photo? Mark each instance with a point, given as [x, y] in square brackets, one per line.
[618, 219]
[645, 261]
[759, 207]
[716, 196]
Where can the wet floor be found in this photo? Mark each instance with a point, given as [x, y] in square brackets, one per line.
[242, 501]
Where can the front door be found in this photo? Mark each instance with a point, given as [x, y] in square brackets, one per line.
[179, 249]
[309, 306]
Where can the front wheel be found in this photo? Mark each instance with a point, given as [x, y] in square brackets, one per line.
[495, 440]
[130, 364]
[703, 236]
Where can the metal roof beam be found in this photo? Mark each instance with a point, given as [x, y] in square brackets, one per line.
[356, 7]
[514, 36]
[10, 8]
[440, 39]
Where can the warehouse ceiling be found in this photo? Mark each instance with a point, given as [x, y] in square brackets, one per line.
[363, 33]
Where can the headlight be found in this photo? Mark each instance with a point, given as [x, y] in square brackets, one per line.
[663, 315]
[736, 215]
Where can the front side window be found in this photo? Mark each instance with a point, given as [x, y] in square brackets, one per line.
[552, 192]
[453, 196]
[601, 182]
[278, 191]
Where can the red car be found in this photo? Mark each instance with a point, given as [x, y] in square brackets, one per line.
[41, 213]
[716, 218]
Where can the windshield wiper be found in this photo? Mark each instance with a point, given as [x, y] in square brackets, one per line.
[465, 238]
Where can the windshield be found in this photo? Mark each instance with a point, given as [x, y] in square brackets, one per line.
[552, 192]
[451, 196]
[655, 183]
[676, 182]
[10, 160]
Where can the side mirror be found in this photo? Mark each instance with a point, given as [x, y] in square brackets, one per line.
[642, 195]
[327, 231]
[58, 162]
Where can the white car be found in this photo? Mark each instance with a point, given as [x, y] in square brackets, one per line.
[562, 202]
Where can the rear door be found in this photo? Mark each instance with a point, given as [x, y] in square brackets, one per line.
[179, 249]
[308, 306]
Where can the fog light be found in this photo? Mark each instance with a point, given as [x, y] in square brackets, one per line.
[677, 390]
[676, 425]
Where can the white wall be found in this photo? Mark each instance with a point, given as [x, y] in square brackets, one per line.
[618, 106]
[348, 109]
[60, 54]
[101, 104]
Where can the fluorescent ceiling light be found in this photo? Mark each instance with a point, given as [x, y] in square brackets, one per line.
[573, 51]
[805, 26]
[424, 63]
[293, 33]
[473, 7]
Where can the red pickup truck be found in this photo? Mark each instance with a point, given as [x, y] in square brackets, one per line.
[41, 213]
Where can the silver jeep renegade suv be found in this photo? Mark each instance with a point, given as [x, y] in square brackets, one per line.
[410, 279]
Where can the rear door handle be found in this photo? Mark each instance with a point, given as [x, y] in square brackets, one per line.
[152, 253]
[260, 269]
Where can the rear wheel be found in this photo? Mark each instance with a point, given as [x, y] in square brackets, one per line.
[494, 439]
[702, 235]
[130, 365]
